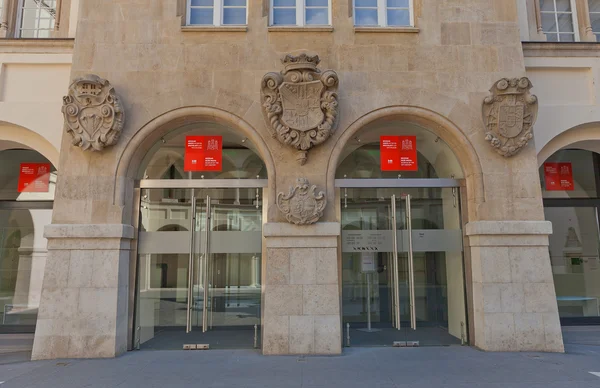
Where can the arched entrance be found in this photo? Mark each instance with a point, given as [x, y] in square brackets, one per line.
[570, 179]
[199, 239]
[27, 183]
[403, 280]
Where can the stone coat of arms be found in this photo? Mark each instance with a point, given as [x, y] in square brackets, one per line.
[509, 114]
[302, 206]
[300, 104]
[93, 113]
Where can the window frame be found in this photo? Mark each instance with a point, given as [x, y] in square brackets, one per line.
[382, 9]
[19, 22]
[300, 8]
[218, 12]
[574, 18]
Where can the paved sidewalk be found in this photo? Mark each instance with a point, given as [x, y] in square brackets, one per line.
[444, 367]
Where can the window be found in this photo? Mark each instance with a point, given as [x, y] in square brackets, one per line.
[383, 13]
[216, 12]
[558, 22]
[300, 13]
[594, 6]
[37, 18]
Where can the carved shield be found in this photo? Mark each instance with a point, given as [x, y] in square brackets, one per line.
[510, 120]
[302, 104]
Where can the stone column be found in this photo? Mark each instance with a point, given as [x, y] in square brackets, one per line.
[514, 301]
[586, 32]
[4, 15]
[84, 303]
[301, 313]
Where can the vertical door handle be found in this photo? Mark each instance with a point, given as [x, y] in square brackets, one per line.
[396, 286]
[205, 269]
[190, 290]
[411, 269]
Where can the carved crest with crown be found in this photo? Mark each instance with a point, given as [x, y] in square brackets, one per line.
[509, 114]
[300, 104]
[93, 113]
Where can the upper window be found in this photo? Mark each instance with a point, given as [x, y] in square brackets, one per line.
[300, 13]
[216, 13]
[383, 13]
[594, 6]
[37, 18]
[558, 21]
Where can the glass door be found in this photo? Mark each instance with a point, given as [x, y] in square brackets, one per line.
[402, 266]
[199, 268]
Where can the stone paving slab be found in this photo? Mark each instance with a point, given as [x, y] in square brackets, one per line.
[444, 367]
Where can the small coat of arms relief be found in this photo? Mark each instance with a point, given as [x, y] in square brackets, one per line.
[303, 205]
[509, 114]
[93, 113]
[300, 104]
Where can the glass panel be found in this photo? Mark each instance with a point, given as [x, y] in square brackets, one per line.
[567, 37]
[398, 17]
[165, 160]
[595, 19]
[22, 261]
[397, 3]
[201, 16]
[565, 22]
[284, 3]
[368, 278]
[10, 164]
[361, 158]
[365, 3]
[563, 5]
[549, 22]
[317, 3]
[584, 178]
[236, 3]
[547, 5]
[203, 3]
[594, 5]
[574, 256]
[284, 16]
[234, 15]
[316, 16]
[551, 37]
[37, 18]
[365, 17]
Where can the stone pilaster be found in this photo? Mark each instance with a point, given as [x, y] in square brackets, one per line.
[514, 302]
[83, 308]
[301, 313]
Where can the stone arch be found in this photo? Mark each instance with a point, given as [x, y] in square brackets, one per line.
[585, 136]
[440, 125]
[13, 136]
[137, 146]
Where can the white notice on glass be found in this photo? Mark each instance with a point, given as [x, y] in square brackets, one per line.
[367, 261]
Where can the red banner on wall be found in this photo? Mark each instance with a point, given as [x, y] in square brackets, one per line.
[203, 153]
[398, 153]
[34, 178]
[558, 176]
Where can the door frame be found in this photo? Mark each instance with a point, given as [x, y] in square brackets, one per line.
[460, 185]
[178, 184]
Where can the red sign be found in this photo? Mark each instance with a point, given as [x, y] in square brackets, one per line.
[398, 153]
[558, 176]
[203, 153]
[34, 178]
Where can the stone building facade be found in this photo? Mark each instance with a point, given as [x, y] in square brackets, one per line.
[301, 240]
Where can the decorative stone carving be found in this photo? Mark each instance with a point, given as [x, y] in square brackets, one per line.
[302, 206]
[93, 113]
[509, 114]
[300, 104]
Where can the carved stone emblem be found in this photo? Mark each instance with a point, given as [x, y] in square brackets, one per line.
[302, 206]
[93, 113]
[300, 104]
[509, 114]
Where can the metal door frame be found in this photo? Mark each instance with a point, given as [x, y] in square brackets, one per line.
[139, 185]
[460, 186]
